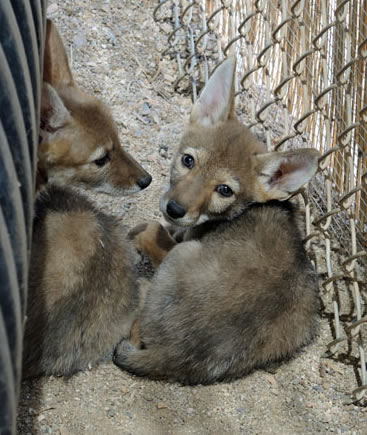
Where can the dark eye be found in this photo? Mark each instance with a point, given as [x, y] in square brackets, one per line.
[224, 190]
[188, 161]
[103, 160]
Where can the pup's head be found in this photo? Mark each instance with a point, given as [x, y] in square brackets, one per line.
[220, 167]
[80, 143]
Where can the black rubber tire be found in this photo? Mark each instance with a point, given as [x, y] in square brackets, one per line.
[22, 25]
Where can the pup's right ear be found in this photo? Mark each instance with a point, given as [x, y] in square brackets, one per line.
[54, 114]
[56, 69]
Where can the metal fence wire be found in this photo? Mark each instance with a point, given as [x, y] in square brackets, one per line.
[301, 81]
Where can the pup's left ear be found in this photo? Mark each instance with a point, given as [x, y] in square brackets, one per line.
[216, 101]
[56, 68]
[54, 114]
[278, 175]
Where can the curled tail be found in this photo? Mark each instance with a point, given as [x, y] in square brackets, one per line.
[158, 364]
[140, 362]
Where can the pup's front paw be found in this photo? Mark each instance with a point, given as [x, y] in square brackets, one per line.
[153, 240]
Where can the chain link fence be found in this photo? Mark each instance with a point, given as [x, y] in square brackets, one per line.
[301, 81]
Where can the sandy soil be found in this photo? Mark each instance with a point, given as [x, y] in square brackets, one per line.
[115, 46]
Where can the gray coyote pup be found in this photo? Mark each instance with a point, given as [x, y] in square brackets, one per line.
[238, 292]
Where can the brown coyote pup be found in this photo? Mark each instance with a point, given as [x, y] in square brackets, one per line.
[239, 292]
[80, 144]
[82, 292]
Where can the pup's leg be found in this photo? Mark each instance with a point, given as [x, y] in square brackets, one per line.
[135, 328]
[153, 240]
[135, 333]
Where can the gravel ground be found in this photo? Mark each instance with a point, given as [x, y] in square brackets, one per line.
[114, 46]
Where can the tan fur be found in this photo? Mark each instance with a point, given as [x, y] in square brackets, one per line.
[82, 290]
[77, 130]
[153, 240]
[69, 249]
[238, 292]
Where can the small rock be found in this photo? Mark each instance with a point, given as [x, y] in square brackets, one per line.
[111, 413]
[325, 418]
[162, 405]
[163, 151]
[111, 36]
[270, 378]
[123, 389]
[146, 109]
[80, 40]
[325, 385]
[169, 78]
[52, 9]
[148, 398]
[155, 118]
[138, 133]
[318, 388]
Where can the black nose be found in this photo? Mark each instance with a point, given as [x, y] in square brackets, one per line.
[144, 182]
[175, 210]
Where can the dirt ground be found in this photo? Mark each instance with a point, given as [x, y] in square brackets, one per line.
[115, 50]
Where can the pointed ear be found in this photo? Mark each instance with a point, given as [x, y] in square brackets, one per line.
[56, 67]
[54, 114]
[281, 174]
[216, 102]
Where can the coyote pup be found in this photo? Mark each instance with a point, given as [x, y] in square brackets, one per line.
[79, 140]
[82, 290]
[239, 292]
